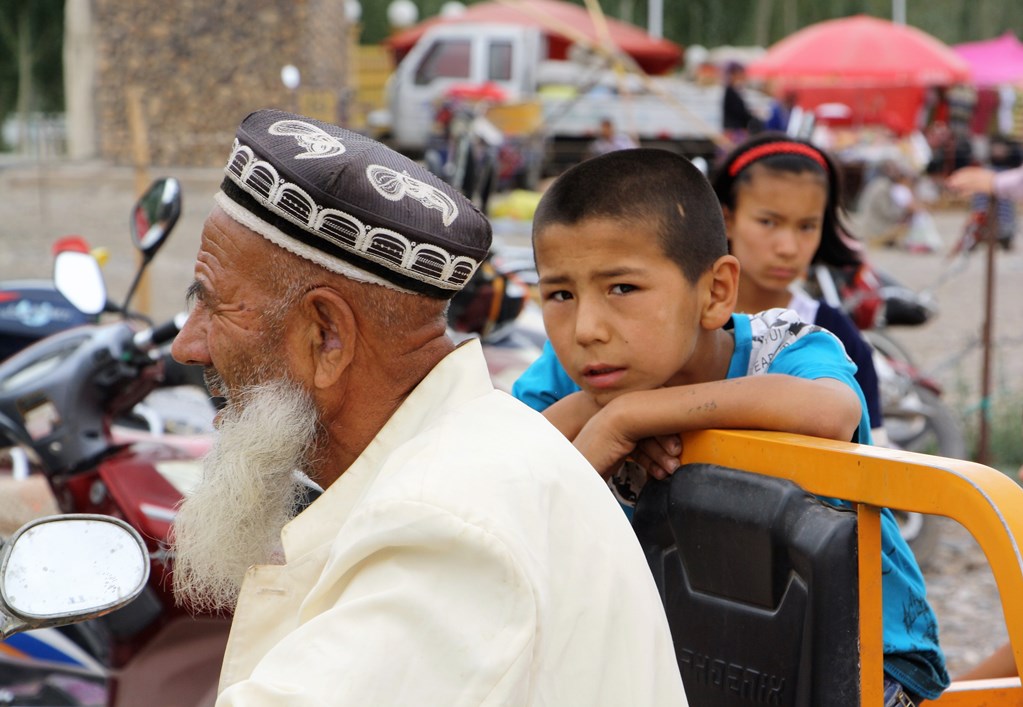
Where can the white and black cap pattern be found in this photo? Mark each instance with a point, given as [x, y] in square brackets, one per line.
[352, 205]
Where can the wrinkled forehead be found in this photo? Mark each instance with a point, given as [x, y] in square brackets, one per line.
[231, 256]
[232, 244]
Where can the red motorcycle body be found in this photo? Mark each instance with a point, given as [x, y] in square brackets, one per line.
[160, 654]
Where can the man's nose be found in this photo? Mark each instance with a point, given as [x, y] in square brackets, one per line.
[189, 345]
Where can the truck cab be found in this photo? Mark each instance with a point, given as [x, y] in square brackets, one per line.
[505, 56]
[570, 94]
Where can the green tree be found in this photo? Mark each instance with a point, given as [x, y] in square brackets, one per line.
[31, 64]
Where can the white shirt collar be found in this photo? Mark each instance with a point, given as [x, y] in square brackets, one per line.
[460, 376]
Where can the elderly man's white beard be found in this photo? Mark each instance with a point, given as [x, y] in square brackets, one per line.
[248, 493]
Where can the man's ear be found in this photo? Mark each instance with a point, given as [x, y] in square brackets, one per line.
[327, 336]
[721, 284]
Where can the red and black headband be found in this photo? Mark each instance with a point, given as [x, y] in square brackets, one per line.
[775, 148]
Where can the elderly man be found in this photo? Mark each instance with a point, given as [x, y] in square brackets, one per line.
[462, 552]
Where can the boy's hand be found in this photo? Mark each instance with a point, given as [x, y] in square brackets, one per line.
[659, 456]
[610, 436]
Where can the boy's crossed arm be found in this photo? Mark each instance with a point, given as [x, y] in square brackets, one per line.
[823, 407]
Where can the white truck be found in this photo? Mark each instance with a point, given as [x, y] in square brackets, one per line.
[573, 95]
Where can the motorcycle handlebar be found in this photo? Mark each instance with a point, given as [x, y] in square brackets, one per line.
[162, 334]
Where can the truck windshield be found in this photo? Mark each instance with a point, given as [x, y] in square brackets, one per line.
[447, 59]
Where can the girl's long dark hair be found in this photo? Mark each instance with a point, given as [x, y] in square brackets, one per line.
[780, 153]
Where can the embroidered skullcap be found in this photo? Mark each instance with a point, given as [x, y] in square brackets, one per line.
[351, 205]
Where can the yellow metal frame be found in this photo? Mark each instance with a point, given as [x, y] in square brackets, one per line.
[983, 500]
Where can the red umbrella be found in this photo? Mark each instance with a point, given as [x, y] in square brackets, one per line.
[994, 61]
[860, 51]
[655, 56]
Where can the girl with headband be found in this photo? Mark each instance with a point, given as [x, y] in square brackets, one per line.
[779, 196]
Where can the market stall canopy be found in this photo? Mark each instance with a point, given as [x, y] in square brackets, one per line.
[896, 108]
[860, 51]
[994, 61]
[655, 56]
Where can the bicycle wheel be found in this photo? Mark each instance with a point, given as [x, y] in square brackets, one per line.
[887, 346]
[923, 423]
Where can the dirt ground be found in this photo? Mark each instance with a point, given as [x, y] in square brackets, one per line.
[41, 202]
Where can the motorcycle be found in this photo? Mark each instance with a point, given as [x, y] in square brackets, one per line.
[58, 570]
[477, 151]
[58, 400]
[915, 417]
[496, 306]
[31, 310]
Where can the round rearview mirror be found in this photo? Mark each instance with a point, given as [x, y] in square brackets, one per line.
[63, 569]
[78, 277]
[155, 214]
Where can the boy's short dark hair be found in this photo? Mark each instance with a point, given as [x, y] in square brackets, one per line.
[645, 187]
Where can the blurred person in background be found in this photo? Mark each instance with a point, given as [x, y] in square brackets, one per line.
[890, 214]
[1002, 180]
[737, 120]
[781, 112]
[608, 140]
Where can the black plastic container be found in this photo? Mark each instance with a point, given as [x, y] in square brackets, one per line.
[759, 582]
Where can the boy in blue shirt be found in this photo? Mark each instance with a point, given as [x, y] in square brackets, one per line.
[638, 294]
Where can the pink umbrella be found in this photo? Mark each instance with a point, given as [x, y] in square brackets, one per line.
[994, 61]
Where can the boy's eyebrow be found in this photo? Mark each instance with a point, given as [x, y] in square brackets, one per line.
[553, 279]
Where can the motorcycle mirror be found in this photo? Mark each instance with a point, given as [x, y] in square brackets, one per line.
[65, 569]
[152, 219]
[77, 276]
[155, 214]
